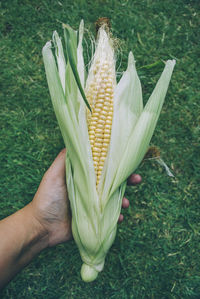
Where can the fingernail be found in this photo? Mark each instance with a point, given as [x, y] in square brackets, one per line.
[134, 179]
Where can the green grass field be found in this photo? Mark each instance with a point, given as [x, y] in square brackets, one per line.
[156, 252]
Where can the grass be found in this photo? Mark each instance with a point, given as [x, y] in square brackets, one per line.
[156, 252]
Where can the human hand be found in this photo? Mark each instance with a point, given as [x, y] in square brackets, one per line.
[46, 221]
[51, 204]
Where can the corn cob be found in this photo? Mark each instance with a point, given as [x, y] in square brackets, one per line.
[100, 97]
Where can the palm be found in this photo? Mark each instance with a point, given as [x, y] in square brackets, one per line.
[51, 204]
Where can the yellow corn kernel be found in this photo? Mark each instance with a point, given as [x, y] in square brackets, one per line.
[100, 96]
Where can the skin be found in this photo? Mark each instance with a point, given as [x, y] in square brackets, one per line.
[44, 222]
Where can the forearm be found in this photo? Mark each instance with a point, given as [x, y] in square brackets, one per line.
[21, 238]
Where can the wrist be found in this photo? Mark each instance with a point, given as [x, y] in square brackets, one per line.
[36, 234]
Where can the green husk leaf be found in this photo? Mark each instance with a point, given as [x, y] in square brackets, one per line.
[61, 63]
[128, 105]
[68, 124]
[143, 131]
[70, 45]
[80, 60]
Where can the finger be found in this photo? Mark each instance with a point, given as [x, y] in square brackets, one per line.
[121, 218]
[134, 179]
[57, 168]
[125, 203]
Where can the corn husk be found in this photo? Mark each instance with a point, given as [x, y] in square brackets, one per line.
[95, 210]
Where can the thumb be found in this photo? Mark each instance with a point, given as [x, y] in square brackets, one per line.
[57, 168]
